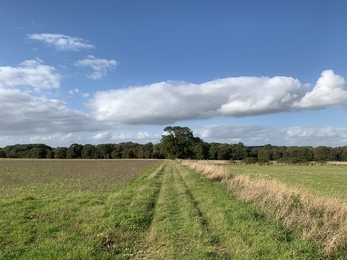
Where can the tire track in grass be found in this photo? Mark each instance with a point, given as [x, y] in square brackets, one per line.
[218, 250]
[130, 214]
[178, 230]
[242, 228]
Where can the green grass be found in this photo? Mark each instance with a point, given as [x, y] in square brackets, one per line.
[66, 209]
[325, 180]
[166, 212]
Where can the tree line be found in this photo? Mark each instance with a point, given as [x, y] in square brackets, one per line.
[179, 142]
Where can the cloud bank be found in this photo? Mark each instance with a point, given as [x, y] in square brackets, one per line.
[170, 102]
[61, 42]
[21, 113]
[261, 135]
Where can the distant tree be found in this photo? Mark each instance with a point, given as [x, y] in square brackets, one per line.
[148, 150]
[103, 151]
[321, 153]
[157, 153]
[201, 150]
[239, 151]
[38, 153]
[334, 154]
[178, 142]
[224, 152]
[305, 153]
[117, 152]
[88, 151]
[265, 153]
[276, 153]
[213, 151]
[60, 152]
[2, 154]
[74, 151]
[50, 154]
[343, 153]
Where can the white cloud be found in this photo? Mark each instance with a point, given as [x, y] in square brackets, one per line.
[170, 102]
[30, 73]
[61, 42]
[100, 66]
[101, 136]
[21, 113]
[328, 91]
[73, 91]
[125, 136]
[261, 135]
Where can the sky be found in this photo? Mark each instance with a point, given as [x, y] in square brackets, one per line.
[257, 72]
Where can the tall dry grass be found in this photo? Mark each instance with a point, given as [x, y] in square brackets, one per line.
[318, 218]
[211, 171]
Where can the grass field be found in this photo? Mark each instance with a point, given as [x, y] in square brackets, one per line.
[328, 180]
[105, 210]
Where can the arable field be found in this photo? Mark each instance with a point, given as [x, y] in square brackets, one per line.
[105, 210]
[327, 180]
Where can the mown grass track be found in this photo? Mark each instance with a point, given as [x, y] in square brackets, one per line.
[199, 219]
[167, 212]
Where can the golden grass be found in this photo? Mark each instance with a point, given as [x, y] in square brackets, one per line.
[320, 219]
[211, 171]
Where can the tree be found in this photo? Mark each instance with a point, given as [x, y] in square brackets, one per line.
[321, 153]
[37, 153]
[178, 142]
[224, 152]
[88, 151]
[103, 151]
[213, 151]
[2, 154]
[265, 153]
[60, 152]
[74, 151]
[201, 150]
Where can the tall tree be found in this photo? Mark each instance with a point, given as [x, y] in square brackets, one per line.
[178, 142]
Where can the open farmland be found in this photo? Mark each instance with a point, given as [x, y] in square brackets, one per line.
[90, 210]
[327, 180]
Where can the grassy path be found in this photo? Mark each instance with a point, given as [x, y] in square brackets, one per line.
[179, 230]
[195, 218]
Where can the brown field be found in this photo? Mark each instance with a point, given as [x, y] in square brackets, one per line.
[27, 177]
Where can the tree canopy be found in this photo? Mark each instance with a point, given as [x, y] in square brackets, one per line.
[179, 142]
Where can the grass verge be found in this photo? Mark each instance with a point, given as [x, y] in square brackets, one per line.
[319, 219]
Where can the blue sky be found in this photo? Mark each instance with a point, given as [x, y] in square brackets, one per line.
[256, 72]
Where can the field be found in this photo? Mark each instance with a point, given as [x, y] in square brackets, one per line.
[326, 180]
[105, 209]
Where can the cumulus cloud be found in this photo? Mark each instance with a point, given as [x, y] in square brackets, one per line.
[100, 66]
[61, 42]
[30, 73]
[328, 91]
[170, 102]
[21, 113]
